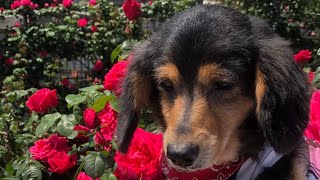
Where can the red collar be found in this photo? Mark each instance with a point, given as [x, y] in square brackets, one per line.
[216, 172]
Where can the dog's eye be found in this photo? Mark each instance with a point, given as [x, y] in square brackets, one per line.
[166, 85]
[223, 85]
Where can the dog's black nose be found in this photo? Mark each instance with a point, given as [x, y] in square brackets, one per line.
[182, 155]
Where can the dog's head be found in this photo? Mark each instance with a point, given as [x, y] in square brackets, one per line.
[208, 72]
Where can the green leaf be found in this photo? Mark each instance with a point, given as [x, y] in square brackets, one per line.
[21, 167]
[95, 164]
[66, 125]
[99, 103]
[114, 105]
[47, 121]
[33, 173]
[73, 99]
[115, 53]
[78, 170]
[73, 135]
[91, 88]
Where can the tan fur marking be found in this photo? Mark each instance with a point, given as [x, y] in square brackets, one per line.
[168, 71]
[208, 72]
[141, 90]
[172, 114]
[260, 88]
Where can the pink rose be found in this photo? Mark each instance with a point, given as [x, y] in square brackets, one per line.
[82, 22]
[67, 3]
[92, 2]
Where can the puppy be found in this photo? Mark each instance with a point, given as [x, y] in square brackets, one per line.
[222, 85]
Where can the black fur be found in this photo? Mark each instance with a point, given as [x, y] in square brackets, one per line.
[206, 34]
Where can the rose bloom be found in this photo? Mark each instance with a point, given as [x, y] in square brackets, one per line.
[89, 117]
[108, 118]
[42, 100]
[9, 61]
[311, 76]
[61, 162]
[43, 54]
[17, 24]
[98, 66]
[131, 9]
[142, 158]
[313, 129]
[44, 148]
[93, 2]
[84, 176]
[82, 22]
[25, 2]
[15, 4]
[113, 79]
[65, 82]
[67, 3]
[94, 28]
[302, 56]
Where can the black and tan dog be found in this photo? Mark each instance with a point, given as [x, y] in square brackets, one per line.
[222, 85]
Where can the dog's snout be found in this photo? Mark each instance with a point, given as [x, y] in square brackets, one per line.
[182, 155]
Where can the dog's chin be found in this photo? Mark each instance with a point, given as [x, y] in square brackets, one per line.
[195, 167]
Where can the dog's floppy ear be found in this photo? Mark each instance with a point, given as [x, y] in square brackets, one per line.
[282, 92]
[135, 95]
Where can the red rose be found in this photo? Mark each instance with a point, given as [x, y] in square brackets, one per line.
[82, 22]
[67, 3]
[108, 118]
[311, 76]
[43, 54]
[93, 2]
[65, 82]
[2, 9]
[42, 100]
[114, 78]
[15, 4]
[53, 5]
[9, 61]
[84, 176]
[131, 9]
[98, 66]
[302, 56]
[61, 162]
[89, 116]
[94, 28]
[142, 158]
[44, 148]
[25, 2]
[313, 129]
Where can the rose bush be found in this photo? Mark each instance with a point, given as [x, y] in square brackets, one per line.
[47, 35]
